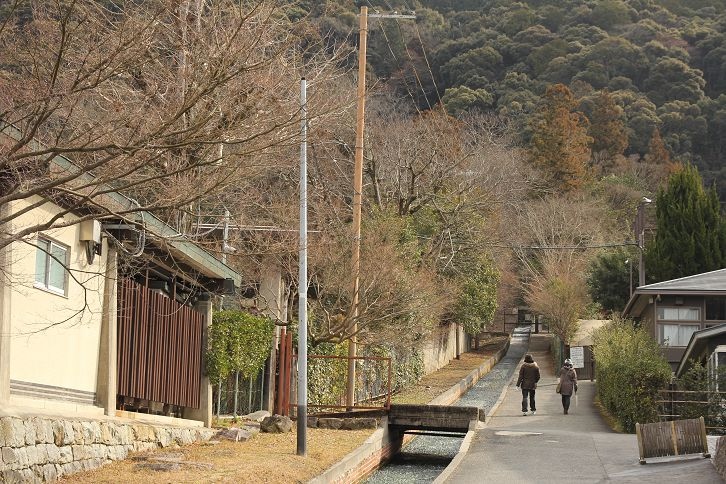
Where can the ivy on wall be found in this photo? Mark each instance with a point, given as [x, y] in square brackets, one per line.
[477, 301]
[327, 376]
[238, 341]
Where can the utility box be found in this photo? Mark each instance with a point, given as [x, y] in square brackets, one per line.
[90, 231]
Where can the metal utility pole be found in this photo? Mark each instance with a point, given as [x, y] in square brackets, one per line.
[358, 189]
[302, 290]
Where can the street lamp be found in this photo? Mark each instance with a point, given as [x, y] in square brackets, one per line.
[640, 234]
[630, 270]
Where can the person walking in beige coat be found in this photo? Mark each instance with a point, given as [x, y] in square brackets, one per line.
[568, 384]
[528, 378]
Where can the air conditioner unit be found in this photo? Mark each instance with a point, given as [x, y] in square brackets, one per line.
[90, 231]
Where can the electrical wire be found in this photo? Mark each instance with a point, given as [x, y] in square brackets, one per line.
[426, 58]
[398, 63]
[408, 53]
[141, 241]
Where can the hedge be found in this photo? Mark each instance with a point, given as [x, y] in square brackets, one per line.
[630, 370]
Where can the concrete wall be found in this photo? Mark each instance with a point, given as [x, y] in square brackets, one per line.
[378, 449]
[441, 348]
[36, 449]
[54, 339]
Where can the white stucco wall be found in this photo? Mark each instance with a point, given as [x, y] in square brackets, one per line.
[54, 338]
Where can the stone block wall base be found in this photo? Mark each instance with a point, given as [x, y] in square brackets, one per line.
[40, 449]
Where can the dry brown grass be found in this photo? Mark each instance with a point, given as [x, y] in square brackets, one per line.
[266, 458]
[271, 458]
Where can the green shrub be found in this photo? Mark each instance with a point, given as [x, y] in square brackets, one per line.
[327, 377]
[477, 301]
[701, 395]
[238, 341]
[630, 371]
[407, 365]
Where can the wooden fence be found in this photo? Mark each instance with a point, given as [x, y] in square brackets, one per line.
[159, 347]
[688, 404]
[677, 437]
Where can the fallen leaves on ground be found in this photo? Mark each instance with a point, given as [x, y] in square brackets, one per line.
[436, 383]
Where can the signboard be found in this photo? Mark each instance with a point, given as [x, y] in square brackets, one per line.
[577, 355]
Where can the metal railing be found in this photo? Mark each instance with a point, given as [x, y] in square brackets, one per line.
[238, 395]
[373, 383]
[689, 404]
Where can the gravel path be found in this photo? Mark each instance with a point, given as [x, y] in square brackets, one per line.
[426, 457]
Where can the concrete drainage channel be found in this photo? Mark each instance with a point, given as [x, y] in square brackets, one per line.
[426, 458]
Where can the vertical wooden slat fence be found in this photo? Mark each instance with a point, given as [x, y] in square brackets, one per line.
[159, 347]
[677, 437]
[284, 367]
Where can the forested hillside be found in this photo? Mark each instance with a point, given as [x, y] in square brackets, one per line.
[662, 61]
[561, 120]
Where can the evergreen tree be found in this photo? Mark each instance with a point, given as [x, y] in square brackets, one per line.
[607, 129]
[560, 145]
[609, 278]
[691, 233]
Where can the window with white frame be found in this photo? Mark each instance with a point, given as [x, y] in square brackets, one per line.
[678, 314]
[676, 334]
[51, 260]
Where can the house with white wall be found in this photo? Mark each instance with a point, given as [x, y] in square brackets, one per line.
[103, 314]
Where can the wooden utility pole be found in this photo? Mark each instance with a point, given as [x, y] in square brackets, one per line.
[358, 191]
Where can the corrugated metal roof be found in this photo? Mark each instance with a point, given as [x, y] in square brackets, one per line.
[192, 253]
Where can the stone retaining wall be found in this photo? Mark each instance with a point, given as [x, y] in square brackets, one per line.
[38, 449]
[719, 459]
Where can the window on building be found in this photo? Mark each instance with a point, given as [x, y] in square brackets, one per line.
[716, 308]
[51, 260]
[676, 334]
[678, 314]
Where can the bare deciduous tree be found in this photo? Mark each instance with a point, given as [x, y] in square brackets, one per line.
[556, 236]
[168, 102]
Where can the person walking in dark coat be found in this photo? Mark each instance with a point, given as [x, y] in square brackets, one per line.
[528, 378]
[568, 384]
